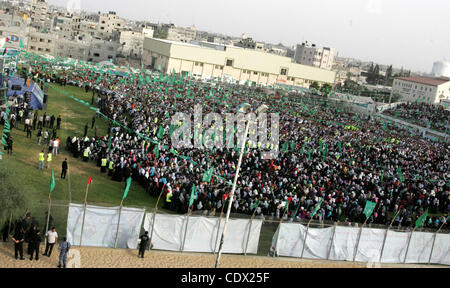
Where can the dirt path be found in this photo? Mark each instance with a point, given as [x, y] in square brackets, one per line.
[122, 258]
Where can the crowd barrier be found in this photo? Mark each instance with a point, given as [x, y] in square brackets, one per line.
[168, 232]
[370, 245]
[201, 234]
[100, 226]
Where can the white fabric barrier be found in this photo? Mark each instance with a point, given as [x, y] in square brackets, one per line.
[290, 238]
[100, 226]
[201, 234]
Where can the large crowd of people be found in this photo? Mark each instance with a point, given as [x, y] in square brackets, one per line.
[436, 117]
[333, 154]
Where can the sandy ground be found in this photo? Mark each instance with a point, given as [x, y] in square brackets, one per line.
[122, 258]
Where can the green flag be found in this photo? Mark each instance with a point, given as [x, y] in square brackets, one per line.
[296, 211]
[256, 204]
[400, 176]
[369, 208]
[421, 221]
[127, 189]
[52, 182]
[156, 151]
[316, 209]
[208, 175]
[191, 199]
[160, 132]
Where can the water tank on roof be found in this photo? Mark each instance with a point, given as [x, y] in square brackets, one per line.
[441, 68]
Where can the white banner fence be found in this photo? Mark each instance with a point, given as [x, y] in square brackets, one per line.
[199, 234]
[370, 245]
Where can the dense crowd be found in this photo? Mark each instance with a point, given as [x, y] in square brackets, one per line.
[332, 154]
[431, 116]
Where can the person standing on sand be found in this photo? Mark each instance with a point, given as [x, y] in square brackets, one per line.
[52, 238]
[63, 249]
[143, 245]
[18, 240]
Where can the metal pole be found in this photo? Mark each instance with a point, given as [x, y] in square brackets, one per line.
[185, 230]
[359, 239]
[385, 236]
[84, 213]
[218, 228]
[332, 239]
[434, 240]
[407, 248]
[10, 222]
[118, 223]
[154, 217]
[306, 237]
[249, 231]
[48, 216]
[232, 194]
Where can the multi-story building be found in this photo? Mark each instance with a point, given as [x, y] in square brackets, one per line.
[313, 56]
[108, 23]
[179, 34]
[72, 49]
[41, 43]
[206, 60]
[132, 43]
[422, 89]
[101, 50]
[39, 17]
[15, 28]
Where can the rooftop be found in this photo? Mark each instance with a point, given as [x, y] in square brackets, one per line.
[426, 80]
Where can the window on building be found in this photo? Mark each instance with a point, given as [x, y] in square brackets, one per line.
[229, 62]
[283, 71]
[255, 73]
[96, 55]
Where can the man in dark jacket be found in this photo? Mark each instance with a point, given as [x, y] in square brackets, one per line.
[35, 242]
[143, 245]
[18, 240]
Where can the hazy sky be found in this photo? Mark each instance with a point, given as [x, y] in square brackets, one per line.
[408, 33]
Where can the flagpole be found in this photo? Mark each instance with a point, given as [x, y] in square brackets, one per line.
[306, 236]
[332, 239]
[118, 223]
[10, 222]
[359, 240]
[279, 225]
[154, 217]
[385, 236]
[409, 241]
[48, 216]
[249, 230]
[218, 227]
[434, 240]
[84, 213]
[185, 229]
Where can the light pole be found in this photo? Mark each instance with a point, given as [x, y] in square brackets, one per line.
[243, 109]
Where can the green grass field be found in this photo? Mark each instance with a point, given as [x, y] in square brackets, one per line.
[103, 191]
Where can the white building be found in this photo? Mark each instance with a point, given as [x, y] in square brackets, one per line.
[234, 64]
[313, 56]
[422, 89]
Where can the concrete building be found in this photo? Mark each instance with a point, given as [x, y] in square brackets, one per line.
[41, 43]
[15, 28]
[110, 22]
[72, 49]
[39, 19]
[179, 34]
[132, 43]
[234, 64]
[313, 56]
[101, 50]
[423, 89]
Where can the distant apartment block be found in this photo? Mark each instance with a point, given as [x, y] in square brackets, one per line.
[311, 55]
[422, 89]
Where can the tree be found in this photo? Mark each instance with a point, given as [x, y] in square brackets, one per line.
[12, 199]
[314, 85]
[326, 89]
[376, 75]
[388, 79]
